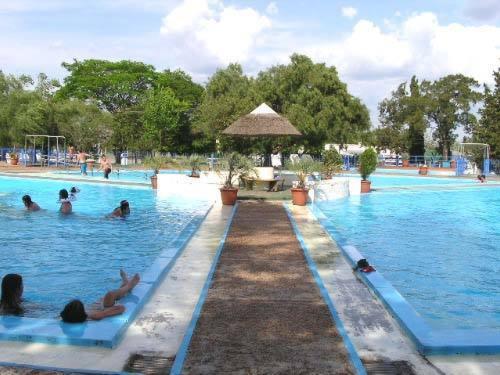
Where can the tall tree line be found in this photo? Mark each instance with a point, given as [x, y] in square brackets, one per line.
[439, 108]
[128, 105]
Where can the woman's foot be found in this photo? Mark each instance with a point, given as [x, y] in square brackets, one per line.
[134, 281]
[124, 277]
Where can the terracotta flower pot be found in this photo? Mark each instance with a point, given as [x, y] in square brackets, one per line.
[14, 161]
[154, 182]
[229, 196]
[406, 163]
[299, 196]
[453, 164]
[365, 186]
[423, 170]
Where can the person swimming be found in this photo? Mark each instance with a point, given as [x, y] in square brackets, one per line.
[29, 204]
[122, 211]
[72, 193]
[66, 206]
[481, 178]
[12, 292]
[74, 311]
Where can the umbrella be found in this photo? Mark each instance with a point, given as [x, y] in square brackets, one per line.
[261, 122]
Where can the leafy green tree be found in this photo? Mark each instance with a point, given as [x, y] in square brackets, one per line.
[229, 94]
[83, 124]
[113, 85]
[314, 99]
[402, 120]
[487, 130]
[449, 103]
[162, 120]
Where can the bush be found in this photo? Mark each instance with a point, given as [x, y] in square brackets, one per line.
[156, 163]
[332, 162]
[367, 163]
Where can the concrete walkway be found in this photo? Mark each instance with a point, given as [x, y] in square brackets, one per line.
[264, 313]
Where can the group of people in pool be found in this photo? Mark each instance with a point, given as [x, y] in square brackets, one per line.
[74, 312]
[66, 207]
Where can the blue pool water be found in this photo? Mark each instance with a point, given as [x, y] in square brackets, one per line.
[440, 249]
[380, 181]
[79, 255]
[123, 175]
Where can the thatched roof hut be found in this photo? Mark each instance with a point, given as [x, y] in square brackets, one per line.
[261, 122]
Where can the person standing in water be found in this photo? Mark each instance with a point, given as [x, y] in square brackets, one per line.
[82, 161]
[105, 166]
[66, 206]
[29, 204]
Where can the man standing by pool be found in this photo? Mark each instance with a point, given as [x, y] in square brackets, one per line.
[82, 161]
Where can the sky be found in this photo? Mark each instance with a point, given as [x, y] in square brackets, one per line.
[375, 45]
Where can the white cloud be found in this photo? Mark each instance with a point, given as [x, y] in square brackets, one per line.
[209, 29]
[272, 8]
[349, 12]
[483, 10]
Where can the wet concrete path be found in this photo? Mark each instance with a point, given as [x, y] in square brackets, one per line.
[264, 313]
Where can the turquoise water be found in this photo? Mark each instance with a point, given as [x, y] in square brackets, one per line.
[440, 249]
[381, 181]
[79, 255]
[124, 175]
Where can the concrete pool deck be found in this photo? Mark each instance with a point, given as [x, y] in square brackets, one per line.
[159, 327]
[373, 331]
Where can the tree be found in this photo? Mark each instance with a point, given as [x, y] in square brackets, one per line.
[83, 124]
[449, 102]
[229, 94]
[402, 120]
[488, 128]
[162, 115]
[114, 86]
[314, 99]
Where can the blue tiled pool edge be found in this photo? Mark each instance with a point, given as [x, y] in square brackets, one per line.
[351, 350]
[428, 341]
[108, 332]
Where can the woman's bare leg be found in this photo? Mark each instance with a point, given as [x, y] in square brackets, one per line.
[113, 295]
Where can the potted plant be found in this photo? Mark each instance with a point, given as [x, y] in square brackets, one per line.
[303, 168]
[235, 165]
[14, 158]
[332, 163]
[406, 159]
[367, 164]
[155, 163]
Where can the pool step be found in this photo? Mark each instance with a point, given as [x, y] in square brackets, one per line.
[389, 368]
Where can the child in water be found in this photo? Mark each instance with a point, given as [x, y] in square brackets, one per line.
[66, 206]
[12, 291]
[29, 204]
[122, 211]
[74, 311]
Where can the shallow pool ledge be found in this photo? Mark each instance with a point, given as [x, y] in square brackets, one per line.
[427, 340]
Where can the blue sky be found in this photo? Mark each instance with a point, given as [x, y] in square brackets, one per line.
[375, 45]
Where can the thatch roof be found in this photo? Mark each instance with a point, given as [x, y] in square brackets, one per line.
[262, 121]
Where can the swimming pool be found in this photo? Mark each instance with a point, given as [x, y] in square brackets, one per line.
[380, 181]
[123, 175]
[440, 249]
[79, 255]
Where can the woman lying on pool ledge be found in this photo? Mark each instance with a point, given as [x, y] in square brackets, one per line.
[74, 311]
